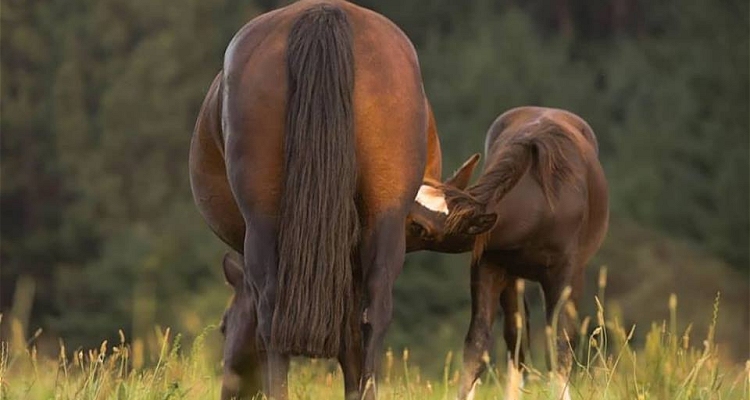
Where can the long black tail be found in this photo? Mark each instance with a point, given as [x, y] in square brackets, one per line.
[319, 224]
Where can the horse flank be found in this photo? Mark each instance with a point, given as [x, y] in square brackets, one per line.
[319, 222]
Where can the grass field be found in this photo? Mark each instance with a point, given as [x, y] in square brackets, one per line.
[670, 365]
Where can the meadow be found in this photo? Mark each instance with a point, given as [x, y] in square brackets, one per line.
[670, 364]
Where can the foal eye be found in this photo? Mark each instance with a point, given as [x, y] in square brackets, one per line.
[418, 230]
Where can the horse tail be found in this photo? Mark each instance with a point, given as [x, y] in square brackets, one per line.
[318, 221]
[543, 149]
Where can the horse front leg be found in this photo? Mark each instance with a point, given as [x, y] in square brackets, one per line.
[487, 282]
[261, 263]
[382, 252]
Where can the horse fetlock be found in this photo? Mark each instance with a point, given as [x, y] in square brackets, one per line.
[468, 391]
[561, 386]
[369, 387]
[515, 382]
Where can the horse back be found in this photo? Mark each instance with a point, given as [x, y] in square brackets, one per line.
[577, 219]
[510, 121]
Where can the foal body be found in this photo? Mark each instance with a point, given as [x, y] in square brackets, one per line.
[543, 180]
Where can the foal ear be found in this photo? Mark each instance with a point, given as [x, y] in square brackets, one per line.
[233, 272]
[481, 223]
[462, 176]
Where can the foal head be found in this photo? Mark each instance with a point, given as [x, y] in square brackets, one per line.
[446, 218]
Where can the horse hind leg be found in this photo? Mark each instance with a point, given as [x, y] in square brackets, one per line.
[350, 354]
[382, 255]
[487, 282]
[563, 287]
[350, 360]
[513, 326]
[261, 272]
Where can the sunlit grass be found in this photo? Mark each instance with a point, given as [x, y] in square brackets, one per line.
[670, 365]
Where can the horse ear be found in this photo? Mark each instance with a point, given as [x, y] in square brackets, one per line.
[233, 272]
[481, 223]
[462, 176]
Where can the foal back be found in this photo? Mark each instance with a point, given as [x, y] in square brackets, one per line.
[559, 203]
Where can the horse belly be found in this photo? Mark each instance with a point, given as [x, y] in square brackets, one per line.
[208, 178]
[214, 198]
[254, 118]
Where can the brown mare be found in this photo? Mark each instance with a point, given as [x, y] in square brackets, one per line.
[543, 180]
[307, 156]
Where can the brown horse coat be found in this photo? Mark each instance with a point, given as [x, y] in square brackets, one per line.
[307, 155]
[208, 178]
[543, 180]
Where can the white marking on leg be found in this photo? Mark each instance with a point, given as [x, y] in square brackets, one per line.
[515, 382]
[370, 385]
[563, 387]
[566, 393]
[432, 199]
[472, 392]
[364, 317]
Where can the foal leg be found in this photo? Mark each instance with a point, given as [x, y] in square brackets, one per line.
[554, 286]
[510, 305]
[383, 249]
[487, 282]
[512, 327]
[260, 271]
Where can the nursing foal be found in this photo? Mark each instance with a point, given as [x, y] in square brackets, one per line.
[543, 180]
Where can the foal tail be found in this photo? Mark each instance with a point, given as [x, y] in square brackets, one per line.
[319, 222]
[541, 148]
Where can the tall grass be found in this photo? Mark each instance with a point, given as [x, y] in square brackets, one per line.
[670, 365]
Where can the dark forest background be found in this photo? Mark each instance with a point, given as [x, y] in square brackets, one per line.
[99, 231]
